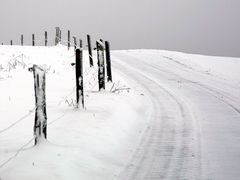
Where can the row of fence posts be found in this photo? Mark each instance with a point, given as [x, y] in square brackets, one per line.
[58, 38]
[33, 40]
[40, 123]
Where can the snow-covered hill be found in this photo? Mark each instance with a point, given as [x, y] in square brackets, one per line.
[167, 115]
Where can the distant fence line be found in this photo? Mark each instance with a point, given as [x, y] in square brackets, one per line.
[57, 39]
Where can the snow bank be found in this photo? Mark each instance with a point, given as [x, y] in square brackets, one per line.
[91, 143]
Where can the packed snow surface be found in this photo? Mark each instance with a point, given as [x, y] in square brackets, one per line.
[166, 115]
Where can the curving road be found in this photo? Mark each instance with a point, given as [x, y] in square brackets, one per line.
[194, 131]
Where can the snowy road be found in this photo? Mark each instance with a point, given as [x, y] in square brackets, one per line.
[194, 129]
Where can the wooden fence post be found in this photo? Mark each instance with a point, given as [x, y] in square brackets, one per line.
[75, 42]
[90, 50]
[11, 42]
[81, 73]
[22, 40]
[33, 40]
[80, 44]
[108, 61]
[79, 77]
[45, 34]
[68, 39]
[57, 38]
[101, 67]
[60, 36]
[40, 123]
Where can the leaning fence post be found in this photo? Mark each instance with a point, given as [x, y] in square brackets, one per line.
[89, 50]
[68, 39]
[45, 34]
[22, 40]
[79, 77]
[101, 67]
[33, 40]
[108, 61]
[40, 123]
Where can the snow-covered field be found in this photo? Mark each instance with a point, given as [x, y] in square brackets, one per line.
[167, 115]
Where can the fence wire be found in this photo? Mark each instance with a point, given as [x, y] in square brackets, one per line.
[17, 152]
[18, 121]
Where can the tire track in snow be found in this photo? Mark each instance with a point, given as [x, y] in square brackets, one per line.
[210, 90]
[225, 97]
[220, 95]
[171, 146]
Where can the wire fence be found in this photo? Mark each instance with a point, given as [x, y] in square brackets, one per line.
[32, 110]
[32, 139]
[90, 82]
[28, 142]
[44, 42]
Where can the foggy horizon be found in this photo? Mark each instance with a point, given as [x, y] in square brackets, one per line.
[206, 27]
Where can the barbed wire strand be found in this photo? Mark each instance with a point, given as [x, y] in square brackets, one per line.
[18, 121]
[17, 152]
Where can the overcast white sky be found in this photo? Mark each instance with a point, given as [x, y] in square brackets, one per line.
[196, 26]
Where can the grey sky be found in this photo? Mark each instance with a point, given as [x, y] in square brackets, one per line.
[196, 26]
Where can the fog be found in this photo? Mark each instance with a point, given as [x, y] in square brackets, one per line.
[208, 27]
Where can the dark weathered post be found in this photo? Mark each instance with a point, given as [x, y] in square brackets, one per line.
[75, 42]
[68, 39]
[101, 67]
[81, 73]
[22, 40]
[33, 40]
[80, 44]
[45, 34]
[57, 38]
[60, 36]
[90, 50]
[40, 124]
[79, 77]
[108, 61]
[11, 42]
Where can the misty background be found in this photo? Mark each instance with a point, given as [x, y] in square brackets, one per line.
[208, 27]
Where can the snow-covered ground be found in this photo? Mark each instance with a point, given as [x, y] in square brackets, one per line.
[195, 131]
[167, 115]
